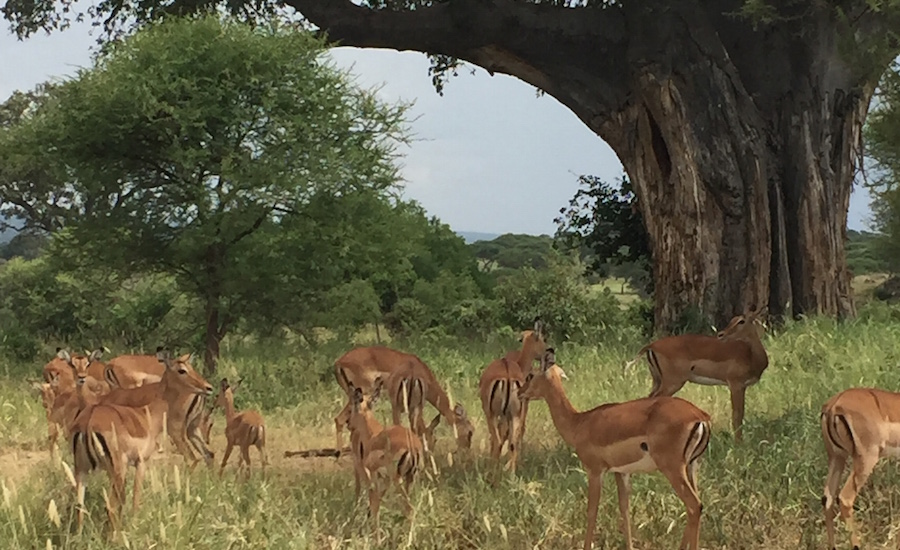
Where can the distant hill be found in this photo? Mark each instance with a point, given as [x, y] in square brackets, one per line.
[472, 236]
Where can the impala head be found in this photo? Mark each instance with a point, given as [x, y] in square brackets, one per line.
[79, 363]
[226, 394]
[538, 384]
[743, 326]
[464, 427]
[533, 341]
[180, 374]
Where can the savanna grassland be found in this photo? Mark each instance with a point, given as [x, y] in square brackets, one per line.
[764, 493]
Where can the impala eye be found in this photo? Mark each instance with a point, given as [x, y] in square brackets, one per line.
[182, 371]
[741, 322]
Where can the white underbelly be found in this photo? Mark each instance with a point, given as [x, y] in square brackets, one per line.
[644, 465]
[706, 381]
[891, 433]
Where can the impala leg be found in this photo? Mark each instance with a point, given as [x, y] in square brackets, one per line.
[737, 410]
[117, 495]
[139, 469]
[339, 422]
[524, 414]
[863, 464]
[229, 446]
[623, 487]
[263, 457]
[245, 455]
[515, 431]
[836, 465]
[79, 493]
[680, 479]
[494, 432]
[595, 487]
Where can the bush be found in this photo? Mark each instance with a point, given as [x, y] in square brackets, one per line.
[561, 296]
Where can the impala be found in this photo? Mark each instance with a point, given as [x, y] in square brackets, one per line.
[245, 429]
[375, 448]
[861, 425]
[131, 371]
[667, 434]
[499, 391]
[184, 417]
[735, 358]
[407, 394]
[59, 369]
[112, 436]
[361, 367]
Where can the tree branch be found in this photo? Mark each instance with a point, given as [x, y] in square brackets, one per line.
[521, 39]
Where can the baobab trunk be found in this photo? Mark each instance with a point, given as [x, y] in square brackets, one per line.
[739, 131]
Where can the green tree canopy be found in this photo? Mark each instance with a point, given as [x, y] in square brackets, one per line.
[883, 146]
[196, 147]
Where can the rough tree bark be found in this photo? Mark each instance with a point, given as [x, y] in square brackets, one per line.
[741, 140]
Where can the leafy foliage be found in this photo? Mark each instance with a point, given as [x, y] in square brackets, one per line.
[882, 136]
[192, 146]
[603, 223]
[513, 251]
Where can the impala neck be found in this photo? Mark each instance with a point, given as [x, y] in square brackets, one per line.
[562, 412]
[229, 407]
[528, 354]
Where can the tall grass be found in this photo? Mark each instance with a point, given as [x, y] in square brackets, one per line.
[764, 493]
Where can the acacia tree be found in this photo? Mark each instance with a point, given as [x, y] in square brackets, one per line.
[189, 147]
[737, 121]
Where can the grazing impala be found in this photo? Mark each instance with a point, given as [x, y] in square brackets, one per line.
[667, 434]
[361, 367]
[112, 436]
[499, 390]
[735, 358]
[375, 448]
[245, 429]
[407, 394]
[131, 371]
[861, 425]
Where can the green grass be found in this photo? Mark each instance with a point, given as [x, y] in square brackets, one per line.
[619, 288]
[764, 493]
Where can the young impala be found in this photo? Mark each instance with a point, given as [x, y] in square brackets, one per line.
[113, 436]
[667, 434]
[860, 425]
[499, 391]
[362, 367]
[735, 358]
[376, 448]
[245, 429]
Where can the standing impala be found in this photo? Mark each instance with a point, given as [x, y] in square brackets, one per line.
[113, 436]
[499, 391]
[59, 370]
[376, 448]
[861, 425]
[361, 367]
[667, 434]
[245, 429]
[131, 371]
[735, 358]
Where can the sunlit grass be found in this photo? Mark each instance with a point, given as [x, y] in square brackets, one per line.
[764, 493]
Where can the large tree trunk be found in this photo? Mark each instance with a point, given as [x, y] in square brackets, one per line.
[740, 136]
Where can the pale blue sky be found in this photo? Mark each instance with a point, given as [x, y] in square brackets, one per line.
[489, 155]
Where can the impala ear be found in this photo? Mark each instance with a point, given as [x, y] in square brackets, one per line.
[163, 355]
[63, 354]
[356, 398]
[548, 360]
[160, 349]
[459, 410]
[96, 355]
[562, 373]
[539, 326]
[224, 384]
